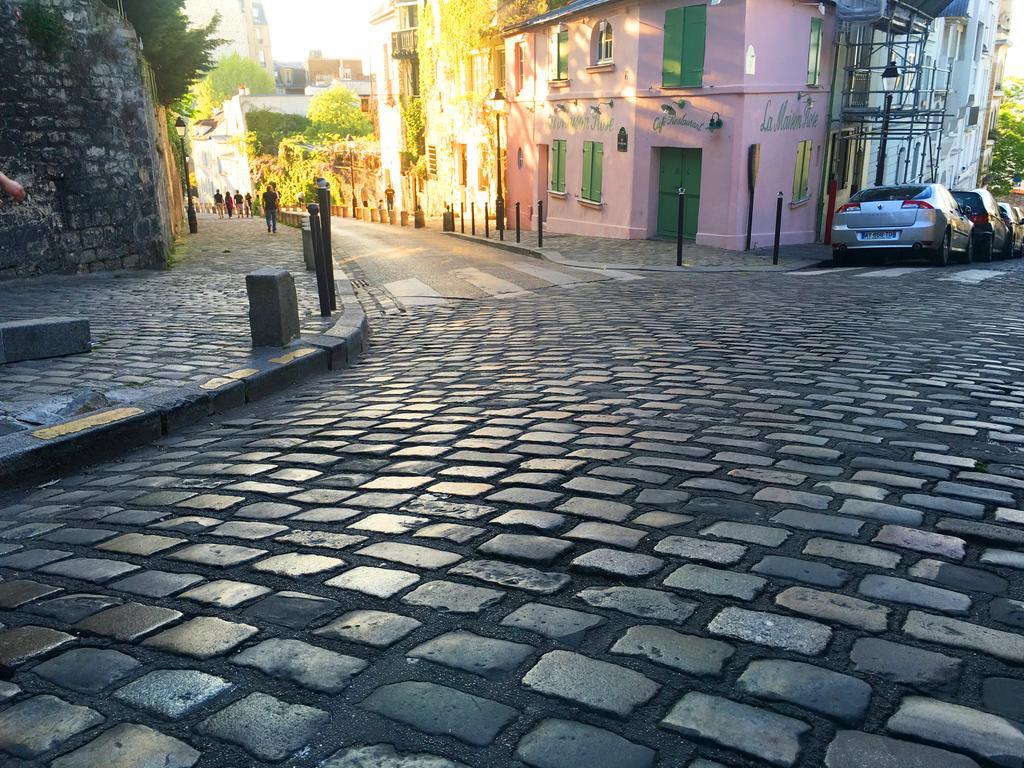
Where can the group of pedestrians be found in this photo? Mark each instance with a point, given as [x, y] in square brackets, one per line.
[234, 205]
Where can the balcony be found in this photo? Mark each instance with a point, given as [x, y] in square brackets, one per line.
[404, 44]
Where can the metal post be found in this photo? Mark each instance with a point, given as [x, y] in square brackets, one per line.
[880, 168]
[517, 223]
[679, 227]
[499, 203]
[778, 230]
[487, 220]
[352, 178]
[324, 194]
[540, 223]
[193, 222]
[323, 292]
[472, 217]
[462, 217]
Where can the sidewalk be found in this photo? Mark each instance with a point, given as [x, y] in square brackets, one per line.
[153, 332]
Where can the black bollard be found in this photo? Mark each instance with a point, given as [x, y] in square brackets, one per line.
[778, 230]
[323, 292]
[324, 194]
[540, 223]
[679, 227]
[487, 219]
[472, 217]
[462, 217]
[517, 222]
[499, 219]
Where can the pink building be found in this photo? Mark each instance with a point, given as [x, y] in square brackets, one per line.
[617, 104]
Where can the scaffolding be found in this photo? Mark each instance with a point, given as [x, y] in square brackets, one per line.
[915, 126]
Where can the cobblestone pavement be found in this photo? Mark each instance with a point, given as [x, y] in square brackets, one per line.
[693, 520]
[152, 330]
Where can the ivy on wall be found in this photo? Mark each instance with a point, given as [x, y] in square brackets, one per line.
[45, 29]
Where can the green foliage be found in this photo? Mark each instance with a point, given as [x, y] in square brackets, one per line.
[295, 169]
[1008, 154]
[45, 28]
[336, 112]
[414, 127]
[468, 26]
[269, 128]
[223, 82]
[178, 54]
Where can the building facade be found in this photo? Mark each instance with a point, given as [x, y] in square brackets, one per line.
[243, 27]
[616, 106]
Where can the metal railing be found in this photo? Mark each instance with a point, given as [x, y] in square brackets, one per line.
[404, 44]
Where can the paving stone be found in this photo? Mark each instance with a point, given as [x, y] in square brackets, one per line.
[1007, 611]
[980, 734]
[30, 559]
[829, 606]
[37, 725]
[875, 510]
[238, 529]
[921, 541]
[1003, 557]
[601, 509]
[78, 536]
[128, 745]
[384, 522]
[795, 498]
[959, 577]
[560, 743]
[905, 664]
[910, 592]
[72, 608]
[752, 534]
[945, 505]
[88, 670]
[1004, 696]
[687, 653]
[139, 544]
[20, 591]
[267, 510]
[202, 637]
[698, 549]
[531, 518]
[291, 609]
[320, 539]
[295, 564]
[838, 696]
[410, 554]
[712, 581]
[438, 709]
[385, 756]
[606, 533]
[661, 520]
[156, 583]
[173, 693]
[23, 643]
[808, 571]
[853, 749]
[962, 634]
[217, 555]
[975, 493]
[266, 727]
[561, 624]
[510, 575]
[771, 629]
[852, 553]
[376, 628]
[815, 521]
[998, 534]
[452, 597]
[225, 593]
[729, 509]
[187, 524]
[757, 732]
[456, 532]
[317, 669]
[529, 549]
[613, 562]
[485, 656]
[590, 683]
[638, 601]
[93, 569]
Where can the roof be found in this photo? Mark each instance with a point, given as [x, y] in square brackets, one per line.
[570, 8]
[957, 8]
[929, 8]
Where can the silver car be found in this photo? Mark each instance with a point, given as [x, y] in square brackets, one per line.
[916, 219]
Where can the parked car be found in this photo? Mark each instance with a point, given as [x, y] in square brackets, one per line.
[991, 236]
[919, 219]
[1012, 219]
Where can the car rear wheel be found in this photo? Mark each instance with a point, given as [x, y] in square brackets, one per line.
[984, 251]
[1007, 248]
[969, 251]
[940, 257]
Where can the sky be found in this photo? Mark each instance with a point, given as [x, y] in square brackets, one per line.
[1015, 58]
[336, 27]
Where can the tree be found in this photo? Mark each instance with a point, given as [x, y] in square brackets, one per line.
[336, 111]
[269, 128]
[178, 54]
[1008, 154]
[224, 80]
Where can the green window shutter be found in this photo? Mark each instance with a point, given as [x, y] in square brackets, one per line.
[802, 171]
[561, 165]
[671, 63]
[695, 28]
[807, 170]
[814, 54]
[588, 154]
[563, 56]
[597, 171]
[558, 165]
[798, 171]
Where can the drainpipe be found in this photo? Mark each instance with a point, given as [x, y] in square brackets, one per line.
[826, 166]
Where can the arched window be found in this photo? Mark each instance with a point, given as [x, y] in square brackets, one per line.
[604, 43]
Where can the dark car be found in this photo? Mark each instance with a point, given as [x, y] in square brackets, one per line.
[992, 238]
[1012, 219]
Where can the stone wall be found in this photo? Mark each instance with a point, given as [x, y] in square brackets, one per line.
[81, 134]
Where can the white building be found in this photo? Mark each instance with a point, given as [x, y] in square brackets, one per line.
[243, 26]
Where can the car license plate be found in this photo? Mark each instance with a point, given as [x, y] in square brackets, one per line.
[886, 234]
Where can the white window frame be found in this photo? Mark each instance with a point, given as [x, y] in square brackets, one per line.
[605, 57]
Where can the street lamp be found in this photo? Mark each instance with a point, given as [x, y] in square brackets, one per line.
[890, 79]
[350, 143]
[498, 103]
[193, 223]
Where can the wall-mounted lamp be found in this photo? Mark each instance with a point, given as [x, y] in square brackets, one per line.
[716, 122]
[668, 109]
[596, 109]
[561, 108]
[681, 103]
[610, 103]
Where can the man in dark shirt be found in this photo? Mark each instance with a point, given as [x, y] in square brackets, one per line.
[270, 208]
[218, 202]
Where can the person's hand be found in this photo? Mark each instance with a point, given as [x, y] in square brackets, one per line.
[12, 188]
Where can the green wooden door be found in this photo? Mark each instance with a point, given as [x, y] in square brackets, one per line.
[678, 168]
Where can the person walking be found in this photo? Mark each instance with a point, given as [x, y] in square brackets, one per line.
[270, 200]
[239, 204]
[229, 204]
[218, 203]
[248, 205]
[389, 195]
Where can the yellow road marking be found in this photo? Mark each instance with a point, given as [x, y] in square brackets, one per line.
[242, 373]
[293, 355]
[78, 425]
[217, 382]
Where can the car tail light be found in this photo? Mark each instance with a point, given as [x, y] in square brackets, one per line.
[979, 218]
[849, 208]
[918, 204]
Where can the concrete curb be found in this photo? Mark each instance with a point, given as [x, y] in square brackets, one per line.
[41, 454]
[547, 254]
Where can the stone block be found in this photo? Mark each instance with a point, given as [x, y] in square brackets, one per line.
[273, 307]
[43, 337]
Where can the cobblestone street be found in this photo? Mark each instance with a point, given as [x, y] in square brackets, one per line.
[689, 520]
